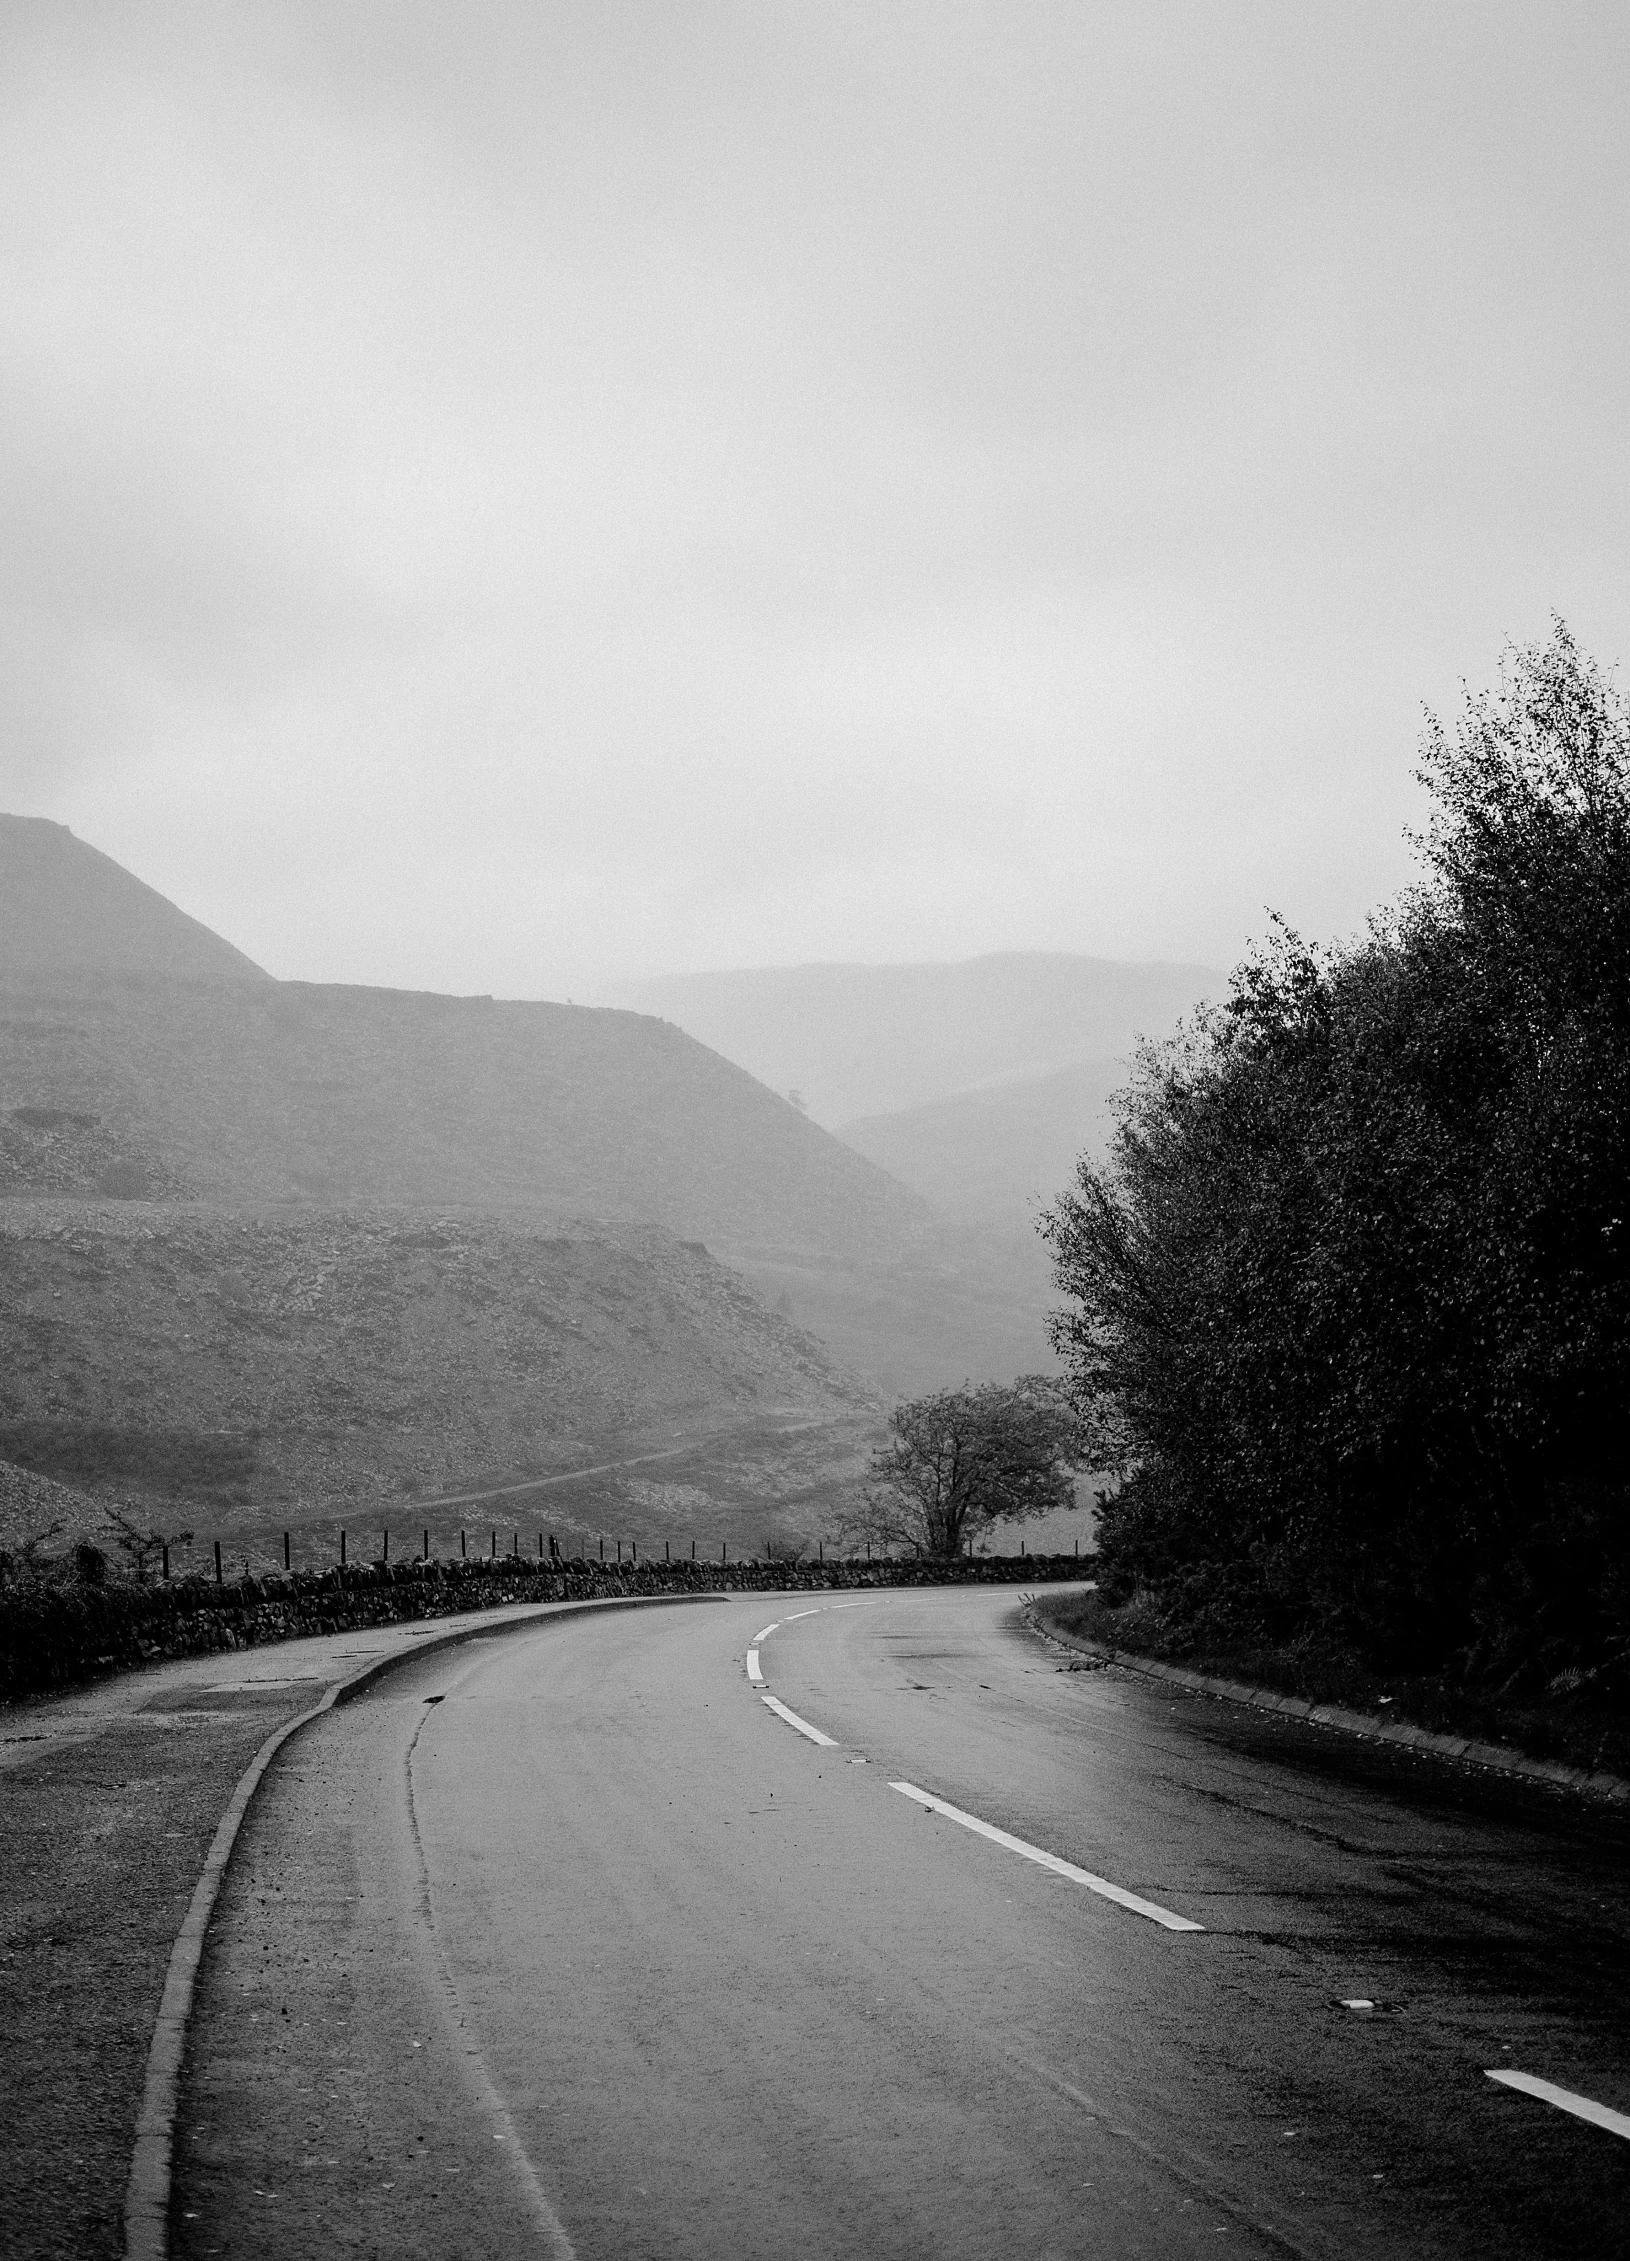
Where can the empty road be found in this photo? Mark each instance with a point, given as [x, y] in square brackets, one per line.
[568, 1942]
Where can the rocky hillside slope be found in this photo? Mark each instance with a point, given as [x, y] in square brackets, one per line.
[239, 1375]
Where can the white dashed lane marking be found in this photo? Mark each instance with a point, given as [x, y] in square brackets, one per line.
[1099, 1884]
[1582, 2107]
[1527, 2084]
[827, 1742]
[1059, 1867]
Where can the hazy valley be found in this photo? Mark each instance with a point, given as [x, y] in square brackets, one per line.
[281, 1255]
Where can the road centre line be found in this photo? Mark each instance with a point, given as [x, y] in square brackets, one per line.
[1059, 1867]
[1099, 1884]
[1582, 2107]
[827, 1742]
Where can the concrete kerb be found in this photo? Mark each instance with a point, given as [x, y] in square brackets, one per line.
[147, 2193]
[1470, 1752]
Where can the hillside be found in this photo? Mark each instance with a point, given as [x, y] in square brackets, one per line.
[857, 1041]
[241, 1374]
[142, 1059]
[66, 908]
[289, 1091]
[141, 1055]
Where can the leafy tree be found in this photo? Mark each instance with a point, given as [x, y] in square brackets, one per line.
[1350, 1304]
[961, 1459]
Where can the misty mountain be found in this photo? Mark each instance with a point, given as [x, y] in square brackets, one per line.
[858, 1041]
[285, 1254]
[141, 1059]
[140, 1056]
[992, 1158]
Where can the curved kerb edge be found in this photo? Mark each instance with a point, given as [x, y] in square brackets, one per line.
[147, 2193]
[1495, 1756]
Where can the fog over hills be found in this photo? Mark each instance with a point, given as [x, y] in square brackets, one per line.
[300, 1092]
[140, 1055]
[150, 1073]
[975, 1085]
[300, 1251]
[990, 1158]
[858, 1041]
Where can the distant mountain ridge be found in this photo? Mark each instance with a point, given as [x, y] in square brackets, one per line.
[857, 1041]
[284, 1255]
[140, 1055]
[991, 1158]
[144, 1059]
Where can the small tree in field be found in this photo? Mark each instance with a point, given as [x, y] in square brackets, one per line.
[962, 1459]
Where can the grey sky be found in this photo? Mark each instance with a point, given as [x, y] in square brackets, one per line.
[508, 497]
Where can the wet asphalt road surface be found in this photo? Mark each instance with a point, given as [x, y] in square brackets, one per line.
[109, 1796]
[566, 1943]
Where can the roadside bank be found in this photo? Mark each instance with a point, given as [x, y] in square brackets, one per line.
[1586, 1753]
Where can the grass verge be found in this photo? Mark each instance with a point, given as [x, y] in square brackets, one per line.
[1572, 1730]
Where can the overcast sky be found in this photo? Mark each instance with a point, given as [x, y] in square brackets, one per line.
[503, 497]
